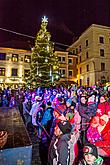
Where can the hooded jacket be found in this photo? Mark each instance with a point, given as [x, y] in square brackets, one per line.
[59, 150]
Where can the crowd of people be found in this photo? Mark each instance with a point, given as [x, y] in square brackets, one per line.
[69, 119]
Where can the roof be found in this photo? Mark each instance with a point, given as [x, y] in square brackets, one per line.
[17, 44]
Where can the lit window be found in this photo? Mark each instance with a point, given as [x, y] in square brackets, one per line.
[14, 72]
[2, 71]
[27, 59]
[14, 57]
[2, 56]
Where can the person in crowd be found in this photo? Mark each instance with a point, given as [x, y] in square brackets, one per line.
[72, 115]
[12, 102]
[90, 156]
[26, 111]
[5, 102]
[92, 106]
[59, 152]
[35, 109]
[47, 95]
[103, 144]
[54, 93]
[47, 119]
[92, 132]
[85, 118]
[60, 106]
[103, 106]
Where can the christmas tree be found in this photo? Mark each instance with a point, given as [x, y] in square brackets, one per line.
[44, 63]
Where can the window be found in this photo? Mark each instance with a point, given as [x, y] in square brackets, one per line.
[87, 55]
[86, 42]
[62, 72]
[87, 68]
[80, 70]
[21, 58]
[88, 81]
[103, 79]
[101, 40]
[102, 66]
[76, 50]
[70, 73]
[63, 59]
[80, 59]
[59, 59]
[70, 61]
[102, 52]
[76, 61]
[27, 59]
[26, 72]
[14, 57]
[80, 48]
[2, 71]
[2, 56]
[14, 72]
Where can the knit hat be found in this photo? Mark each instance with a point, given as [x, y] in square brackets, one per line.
[65, 127]
[69, 101]
[90, 149]
[105, 118]
[38, 98]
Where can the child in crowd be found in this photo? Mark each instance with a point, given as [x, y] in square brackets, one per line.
[90, 156]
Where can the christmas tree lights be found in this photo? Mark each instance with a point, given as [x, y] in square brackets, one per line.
[44, 63]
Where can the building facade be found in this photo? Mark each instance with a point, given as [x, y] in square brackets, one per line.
[14, 66]
[93, 51]
[67, 67]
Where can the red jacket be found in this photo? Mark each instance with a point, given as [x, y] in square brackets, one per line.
[103, 108]
[105, 142]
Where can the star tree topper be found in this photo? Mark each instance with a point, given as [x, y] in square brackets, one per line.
[45, 19]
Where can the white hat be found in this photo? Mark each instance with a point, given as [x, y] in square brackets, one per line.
[38, 98]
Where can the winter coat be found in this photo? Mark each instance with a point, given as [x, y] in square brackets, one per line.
[48, 116]
[93, 135]
[61, 108]
[92, 107]
[84, 113]
[59, 150]
[105, 142]
[103, 108]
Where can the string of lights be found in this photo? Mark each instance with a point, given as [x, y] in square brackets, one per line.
[25, 35]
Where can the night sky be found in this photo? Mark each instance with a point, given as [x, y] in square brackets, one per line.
[67, 18]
